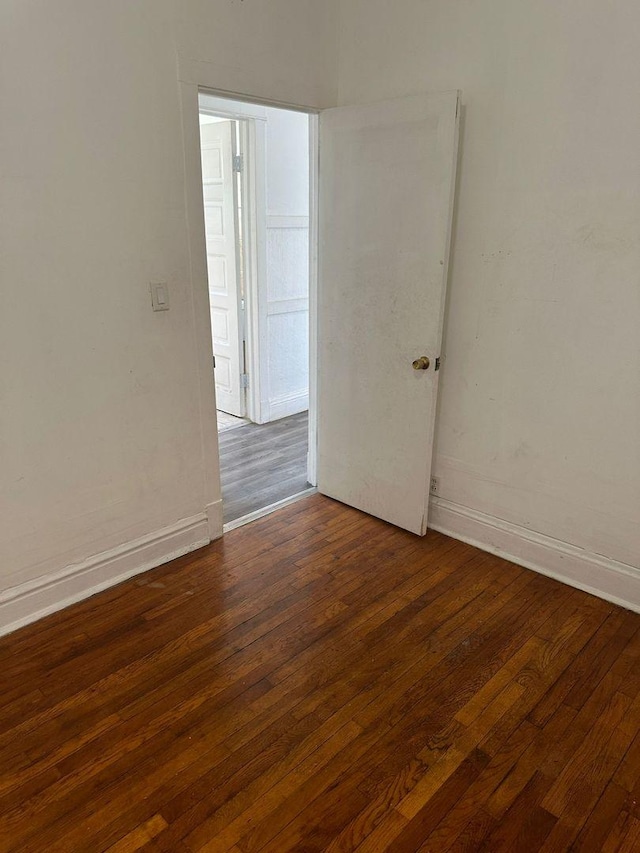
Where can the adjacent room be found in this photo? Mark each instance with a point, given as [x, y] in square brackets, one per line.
[256, 177]
[319, 426]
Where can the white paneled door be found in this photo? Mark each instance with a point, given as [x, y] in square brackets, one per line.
[387, 177]
[217, 142]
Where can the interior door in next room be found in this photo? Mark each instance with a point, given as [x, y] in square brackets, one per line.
[387, 173]
[218, 148]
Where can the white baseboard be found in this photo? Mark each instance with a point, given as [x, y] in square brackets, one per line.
[609, 579]
[33, 600]
[283, 407]
[593, 573]
[288, 222]
[214, 519]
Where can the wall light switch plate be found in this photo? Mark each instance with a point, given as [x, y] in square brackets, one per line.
[159, 295]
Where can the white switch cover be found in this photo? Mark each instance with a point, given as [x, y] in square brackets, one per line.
[159, 295]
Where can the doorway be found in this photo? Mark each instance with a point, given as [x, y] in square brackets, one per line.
[257, 203]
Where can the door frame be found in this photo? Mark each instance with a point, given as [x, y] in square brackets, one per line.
[254, 227]
[253, 141]
[239, 344]
[196, 243]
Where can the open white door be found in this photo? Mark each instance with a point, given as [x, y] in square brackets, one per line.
[217, 141]
[387, 177]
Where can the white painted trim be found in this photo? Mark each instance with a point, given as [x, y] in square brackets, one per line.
[224, 108]
[199, 294]
[314, 161]
[599, 575]
[37, 598]
[255, 257]
[214, 519]
[287, 306]
[293, 222]
[232, 83]
[252, 118]
[289, 404]
[267, 510]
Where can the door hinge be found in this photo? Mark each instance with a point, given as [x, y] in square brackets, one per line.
[244, 380]
[214, 361]
[237, 162]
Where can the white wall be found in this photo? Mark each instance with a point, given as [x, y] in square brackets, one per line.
[287, 264]
[100, 449]
[101, 453]
[287, 163]
[539, 423]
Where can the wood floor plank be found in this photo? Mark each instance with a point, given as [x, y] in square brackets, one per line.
[438, 806]
[601, 820]
[620, 828]
[320, 680]
[460, 818]
[139, 836]
[526, 825]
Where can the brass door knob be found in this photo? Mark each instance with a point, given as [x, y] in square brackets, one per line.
[421, 363]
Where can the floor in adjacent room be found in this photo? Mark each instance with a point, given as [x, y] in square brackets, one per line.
[226, 421]
[261, 464]
[321, 681]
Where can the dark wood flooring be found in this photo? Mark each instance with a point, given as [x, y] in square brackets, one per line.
[261, 464]
[321, 681]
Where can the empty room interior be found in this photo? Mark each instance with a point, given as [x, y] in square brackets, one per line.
[319, 426]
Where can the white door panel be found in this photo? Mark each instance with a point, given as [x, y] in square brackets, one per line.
[220, 215]
[387, 173]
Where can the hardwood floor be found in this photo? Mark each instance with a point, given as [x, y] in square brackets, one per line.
[261, 464]
[319, 680]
